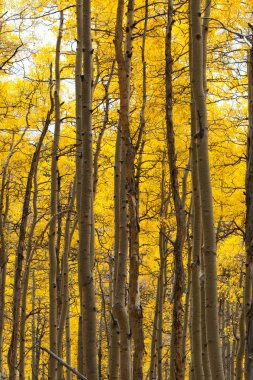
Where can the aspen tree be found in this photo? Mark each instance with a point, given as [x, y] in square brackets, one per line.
[197, 355]
[68, 341]
[249, 220]
[12, 352]
[188, 302]
[53, 312]
[86, 248]
[65, 277]
[241, 346]
[157, 336]
[34, 340]
[25, 281]
[123, 59]
[133, 179]
[3, 245]
[78, 109]
[188, 282]
[114, 347]
[212, 325]
[176, 359]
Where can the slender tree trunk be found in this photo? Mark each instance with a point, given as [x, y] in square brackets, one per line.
[102, 130]
[189, 255]
[197, 364]
[4, 208]
[25, 282]
[161, 281]
[153, 354]
[177, 360]
[123, 59]
[249, 222]
[68, 341]
[114, 347]
[86, 248]
[205, 356]
[241, 346]
[201, 136]
[12, 353]
[53, 312]
[187, 312]
[35, 341]
[133, 177]
[78, 90]
[65, 278]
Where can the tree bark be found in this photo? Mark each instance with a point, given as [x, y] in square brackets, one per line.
[114, 345]
[201, 137]
[249, 222]
[86, 248]
[177, 360]
[197, 364]
[12, 352]
[123, 59]
[25, 282]
[78, 106]
[65, 277]
[53, 312]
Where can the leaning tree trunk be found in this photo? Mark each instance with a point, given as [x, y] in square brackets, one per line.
[212, 322]
[12, 353]
[4, 208]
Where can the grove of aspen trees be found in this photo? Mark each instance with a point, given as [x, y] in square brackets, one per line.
[126, 189]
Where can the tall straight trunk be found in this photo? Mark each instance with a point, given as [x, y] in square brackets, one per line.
[212, 323]
[222, 329]
[189, 254]
[4, 208]
[228, 345]
[12, 352]
[123, 59]
[68, 341]
[157, 336]
[187, 309]
[35, 338]
[197, 364]
[241, 346]
[177, 360]
[205, 356]
[53, 312]
[86, 248]
[25, 283]
[65, 278]
[3, 264]
[249, 222]
[133, 178]
[113, 365]
[58, 247]
[162, 274]
[78, 104]
[153, 354]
